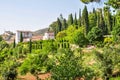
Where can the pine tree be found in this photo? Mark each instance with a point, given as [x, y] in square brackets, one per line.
[30, 46]
[70, 19]
[79, 20]
[21, 37]
[85, 20]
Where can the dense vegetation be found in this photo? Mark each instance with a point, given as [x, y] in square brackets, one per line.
[69, 56]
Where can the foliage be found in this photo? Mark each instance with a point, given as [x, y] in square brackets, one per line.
[21, 37]
[75, 20]
[72, 70]
[114, 3]
[1, 38]
[85, 20]
[70, 19]
[88, 1]
[110, 61]
[14, 44]
[108, 19]
[61, 35]
[92, 20]
[8, 70]
[95, 34]
[59, 25]
[101, 22]
[79, 38]
[108, 40]
[36, 63]
[30, 46]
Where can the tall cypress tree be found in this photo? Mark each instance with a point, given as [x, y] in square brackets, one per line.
[64, 26]
[85, 20]
[101, 22]
[30, 46]
[95, 14]
[79, 20]
[21, 37]
[108, 19]
[75, 19]
[59, 25]
[70, 19]
[14, 44]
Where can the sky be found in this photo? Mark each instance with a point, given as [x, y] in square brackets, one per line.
[36, 14]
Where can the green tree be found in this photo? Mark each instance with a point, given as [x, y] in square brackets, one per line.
[118, 18]
[14, 44]
[21, 37]
[30, 46]
[8, 69]
[95, 34]
[59, 25]
[53, 27]
[114, 3]
[75, 20]
[72, 70]
[70, 19]
[92, 20]
[101, 22]
[88, 1]
[79, 20]
[85, 20]
[64, 26]
[61, 35]
[79, 38]
[110, 60]
[35, 64]
[1, 38]
[108, 19]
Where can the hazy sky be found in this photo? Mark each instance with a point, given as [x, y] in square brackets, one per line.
[36, 14]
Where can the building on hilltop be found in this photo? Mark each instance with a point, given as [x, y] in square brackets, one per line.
[48, 35]
[27, 35]
[7, 35]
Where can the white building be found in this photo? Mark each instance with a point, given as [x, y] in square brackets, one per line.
[27, 35]
[48, 35]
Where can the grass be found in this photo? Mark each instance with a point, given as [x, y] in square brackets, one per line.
[118, 78]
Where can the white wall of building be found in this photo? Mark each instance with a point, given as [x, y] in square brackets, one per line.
[26, 35]
[48, 36]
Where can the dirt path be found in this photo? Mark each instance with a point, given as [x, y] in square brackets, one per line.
[29, 76]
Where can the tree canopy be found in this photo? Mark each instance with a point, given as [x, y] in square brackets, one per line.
[114, 3]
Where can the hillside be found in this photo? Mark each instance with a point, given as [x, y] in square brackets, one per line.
[40, 31]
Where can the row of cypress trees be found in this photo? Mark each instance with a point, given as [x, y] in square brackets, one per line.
[101, 18]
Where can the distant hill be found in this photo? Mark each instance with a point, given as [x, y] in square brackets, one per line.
[40, 32]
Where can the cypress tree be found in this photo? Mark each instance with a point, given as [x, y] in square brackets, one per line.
[14, 44]
[95, 14]
[21, 37]
[64, 26]
[85, 20]
[59, 25]
[75, 19]
[61, 17]
[30, 46]
[70, 19]
[101, 22]
[108, 19]
[79, 20]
